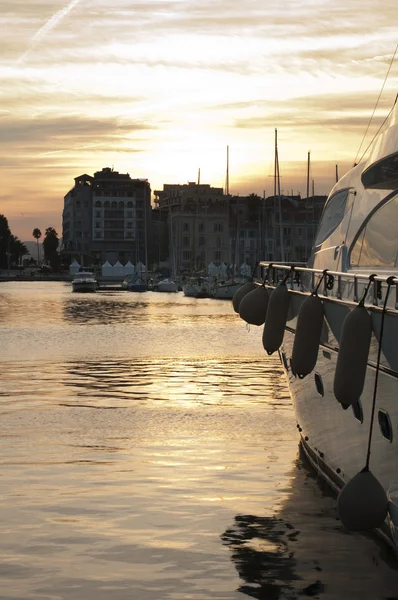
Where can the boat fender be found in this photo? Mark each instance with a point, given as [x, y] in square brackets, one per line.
[308, 335]
[352, 360]
[244, 289]
[362, 503]
[253, 306]
[275, 322]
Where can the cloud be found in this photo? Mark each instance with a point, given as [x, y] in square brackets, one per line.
[52, 22]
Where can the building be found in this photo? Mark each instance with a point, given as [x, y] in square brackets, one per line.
[202, 225]
[291, 238]
[197, 225]
[107, 217]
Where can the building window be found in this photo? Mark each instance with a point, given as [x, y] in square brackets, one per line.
[185, 227]
[129, 214]
[98, 234]
[202, 241]
[186, 255]
[217, 255]
[218, 242]
[98, 224]
[97, 213]
[129, 225]
[185, 241]
[201, 227]
[217, 226]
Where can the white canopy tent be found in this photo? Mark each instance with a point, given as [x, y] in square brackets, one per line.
[118, 270]
[140, 268]
[223, 270]
[212, 270]
[107, 269]
[245, 270]
[129, 268]
[74, 267]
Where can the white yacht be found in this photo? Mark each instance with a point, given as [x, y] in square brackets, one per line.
[84, 281]
[196, 287]
[346, 401]
[166, 285]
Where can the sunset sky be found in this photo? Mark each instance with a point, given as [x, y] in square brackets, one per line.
[159, 88]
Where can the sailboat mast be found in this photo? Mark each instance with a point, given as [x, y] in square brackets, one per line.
[337, 173]
[227, 174]
[306, 202]
[278, 180]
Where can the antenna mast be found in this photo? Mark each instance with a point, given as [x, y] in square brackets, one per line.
[227, 174]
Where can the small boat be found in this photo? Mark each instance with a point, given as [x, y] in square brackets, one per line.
[167, 285]
[84, 281]
[196, 288]
[224, 290]
[134, 283]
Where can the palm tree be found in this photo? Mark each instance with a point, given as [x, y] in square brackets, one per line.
[37, 234]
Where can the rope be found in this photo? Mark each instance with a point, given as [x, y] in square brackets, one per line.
[324, 273]
[284, 280]
[365, 293]
[377, 102]
[389, 284]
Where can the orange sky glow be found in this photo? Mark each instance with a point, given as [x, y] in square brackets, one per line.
[159, 88]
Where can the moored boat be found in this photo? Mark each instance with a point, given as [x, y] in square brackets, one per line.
[196, 288]
[134, 283]
[224, 290]
[166, 285]
[84, 281]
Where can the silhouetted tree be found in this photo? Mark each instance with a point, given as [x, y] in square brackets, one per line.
[37, 235]
[5, 234]
[50, 245]
[17, 250]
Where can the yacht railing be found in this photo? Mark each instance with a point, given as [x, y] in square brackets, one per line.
[305, 279]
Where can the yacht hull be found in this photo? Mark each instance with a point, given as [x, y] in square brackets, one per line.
[224, 292]
[335, 438]
[84, 287]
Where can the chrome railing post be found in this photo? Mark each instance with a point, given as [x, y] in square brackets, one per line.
[338, 294]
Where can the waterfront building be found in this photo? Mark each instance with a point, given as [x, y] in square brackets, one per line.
[197, 222]
[291, 237]
[201, 225]
[107, 217]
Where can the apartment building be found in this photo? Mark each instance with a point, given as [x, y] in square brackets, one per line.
[107, 216]
[197, 224]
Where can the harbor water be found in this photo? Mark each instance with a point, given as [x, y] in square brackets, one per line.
[149, 451]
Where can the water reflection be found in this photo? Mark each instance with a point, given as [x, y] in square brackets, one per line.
[189, 383]
[302, 550]
[103, 310]
[106, 308]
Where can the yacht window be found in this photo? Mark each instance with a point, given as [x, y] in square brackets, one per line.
[383, 174]
[332, 215]
[377, 244]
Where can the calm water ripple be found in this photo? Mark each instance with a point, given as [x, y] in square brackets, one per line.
[149, 451]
